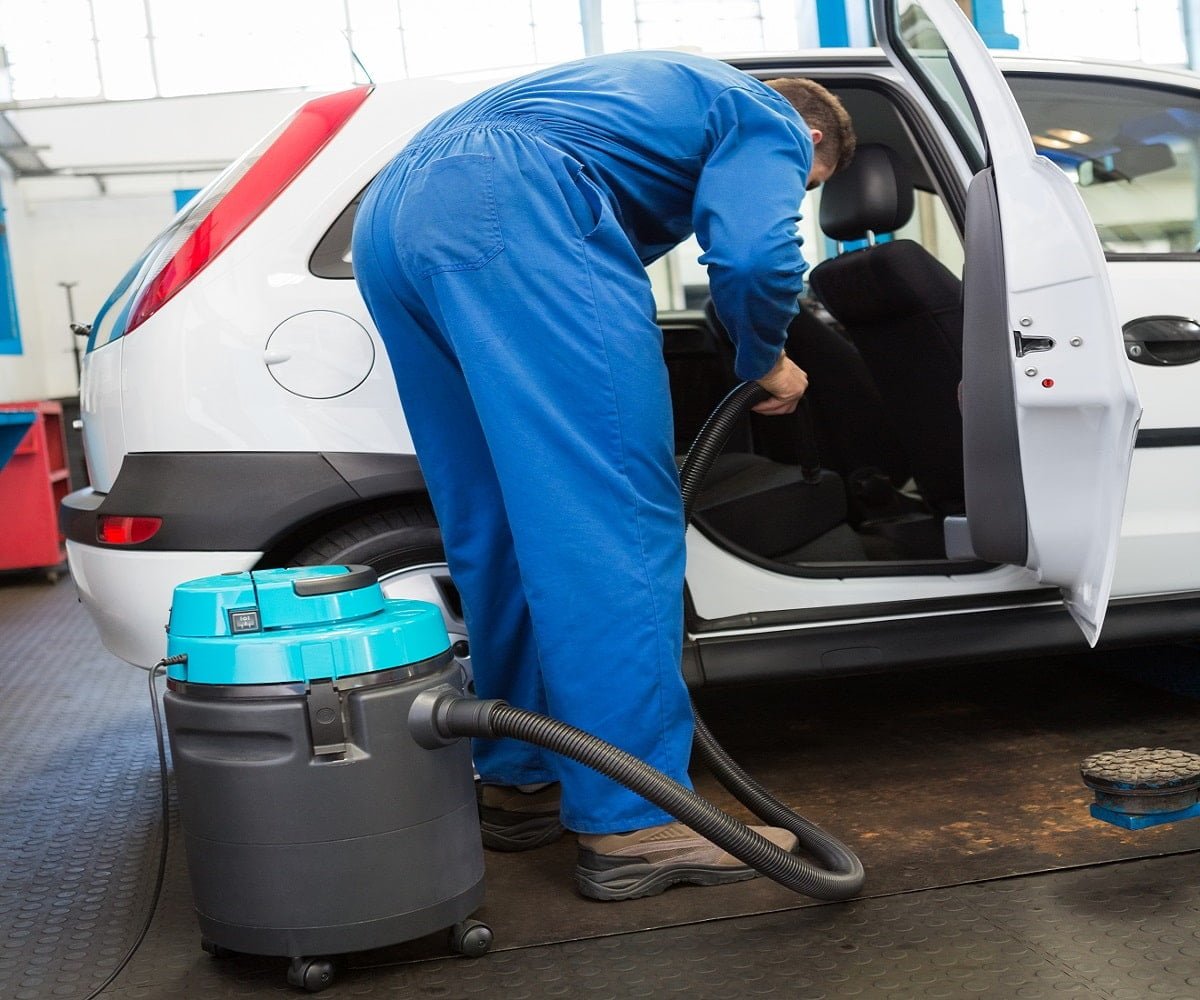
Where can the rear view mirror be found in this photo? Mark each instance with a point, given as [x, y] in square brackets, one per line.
[1126, 164]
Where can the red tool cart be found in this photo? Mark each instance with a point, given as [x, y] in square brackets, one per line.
[32, 484]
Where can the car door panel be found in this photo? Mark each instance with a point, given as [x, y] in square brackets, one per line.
[1160, 536]
[1074, 403]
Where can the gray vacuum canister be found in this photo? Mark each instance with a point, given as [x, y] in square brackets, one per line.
[313, 824]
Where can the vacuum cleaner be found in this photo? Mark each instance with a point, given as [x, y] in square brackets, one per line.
[326, 791]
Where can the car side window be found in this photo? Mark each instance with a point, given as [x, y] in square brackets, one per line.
[1132, 149]
[679, 281]
[331, 256]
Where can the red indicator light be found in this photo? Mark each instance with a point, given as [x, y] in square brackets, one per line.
[1047, 383]
[114, 530]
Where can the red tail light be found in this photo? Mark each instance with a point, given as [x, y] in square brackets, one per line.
[114, 530]
[237, 198]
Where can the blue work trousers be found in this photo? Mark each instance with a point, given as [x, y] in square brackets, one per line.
[519, 324]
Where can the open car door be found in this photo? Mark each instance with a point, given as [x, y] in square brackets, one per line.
[1049, 405]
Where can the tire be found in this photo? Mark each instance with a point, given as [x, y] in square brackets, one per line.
[404, 546]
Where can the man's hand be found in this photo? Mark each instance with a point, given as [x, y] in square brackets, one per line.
[786, 383]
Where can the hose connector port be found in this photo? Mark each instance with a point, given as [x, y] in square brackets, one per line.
[440, 716]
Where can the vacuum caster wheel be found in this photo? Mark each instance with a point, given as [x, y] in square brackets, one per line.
[312, 974]
[216, 950]
[471, 938]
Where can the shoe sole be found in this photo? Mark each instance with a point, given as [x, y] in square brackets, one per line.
[522, 836]
[639, 881]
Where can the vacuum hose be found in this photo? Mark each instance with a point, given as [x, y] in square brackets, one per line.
[440, 715]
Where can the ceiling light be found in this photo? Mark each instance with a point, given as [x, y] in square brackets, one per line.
[1069, 135]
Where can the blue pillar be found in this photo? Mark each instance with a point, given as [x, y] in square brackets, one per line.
[833, 27]
[10, 329]
[591, 21]
[988, 18]
[1190, 9]
[183, 196]
[843, 23]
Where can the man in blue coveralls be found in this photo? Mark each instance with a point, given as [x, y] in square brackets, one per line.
[502, 256]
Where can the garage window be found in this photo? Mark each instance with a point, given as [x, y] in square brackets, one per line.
[1134, 152]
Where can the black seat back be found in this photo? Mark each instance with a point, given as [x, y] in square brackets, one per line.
[902, 308]
[849, 424]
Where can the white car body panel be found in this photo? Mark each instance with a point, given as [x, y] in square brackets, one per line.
[212, 336]
[1155, 288]
[724, 586]
[1159, 549]
[129, 593]
[101, 400]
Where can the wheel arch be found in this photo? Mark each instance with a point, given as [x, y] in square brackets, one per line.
[330, 520]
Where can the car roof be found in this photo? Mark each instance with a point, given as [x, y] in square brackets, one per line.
[832, 58]
[1010, 61]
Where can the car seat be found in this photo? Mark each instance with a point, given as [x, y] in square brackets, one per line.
[787, 510]
[902, 308]
[849, 426]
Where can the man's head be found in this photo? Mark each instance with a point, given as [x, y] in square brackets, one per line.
[832, 131]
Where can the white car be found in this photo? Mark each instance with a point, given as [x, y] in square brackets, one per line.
[239, 411]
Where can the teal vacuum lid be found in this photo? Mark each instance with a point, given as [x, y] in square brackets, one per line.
[293, 625]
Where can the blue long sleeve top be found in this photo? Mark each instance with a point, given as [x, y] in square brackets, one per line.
[683, 144]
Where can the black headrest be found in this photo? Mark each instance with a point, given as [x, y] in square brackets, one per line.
[873, 194]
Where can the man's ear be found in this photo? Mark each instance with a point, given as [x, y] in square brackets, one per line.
[817, 135]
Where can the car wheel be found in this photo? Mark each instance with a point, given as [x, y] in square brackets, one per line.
[404, 546]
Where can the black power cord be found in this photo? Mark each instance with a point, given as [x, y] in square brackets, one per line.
[164, 842]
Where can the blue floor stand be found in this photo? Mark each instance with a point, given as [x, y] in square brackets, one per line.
[1142, 821]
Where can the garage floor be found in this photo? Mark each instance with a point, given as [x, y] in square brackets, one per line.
[957, 786]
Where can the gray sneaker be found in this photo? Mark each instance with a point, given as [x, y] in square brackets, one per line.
[516, 818]
[615, 866]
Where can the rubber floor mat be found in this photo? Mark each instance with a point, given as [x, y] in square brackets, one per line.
[936, 778]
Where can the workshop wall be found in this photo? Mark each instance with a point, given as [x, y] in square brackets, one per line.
[20, 374]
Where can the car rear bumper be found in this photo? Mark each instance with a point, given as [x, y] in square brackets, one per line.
[128, 593]
[221, 512]
[236, 501]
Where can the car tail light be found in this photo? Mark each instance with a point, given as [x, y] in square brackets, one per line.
[235, 199]
[114, 530]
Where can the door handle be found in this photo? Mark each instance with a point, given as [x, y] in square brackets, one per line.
[1162, 341]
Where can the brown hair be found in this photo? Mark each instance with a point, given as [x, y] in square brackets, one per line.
[821, 110]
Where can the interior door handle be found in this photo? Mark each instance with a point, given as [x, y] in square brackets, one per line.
[1162, 341]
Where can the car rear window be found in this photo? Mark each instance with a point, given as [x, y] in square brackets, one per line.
[331, 257]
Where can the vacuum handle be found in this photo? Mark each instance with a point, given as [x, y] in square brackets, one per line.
[810, 459]
[319, 586]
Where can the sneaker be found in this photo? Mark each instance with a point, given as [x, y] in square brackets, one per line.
[614, 866]
[518, 818]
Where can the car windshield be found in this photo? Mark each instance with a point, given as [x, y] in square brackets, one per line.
[1132, 150]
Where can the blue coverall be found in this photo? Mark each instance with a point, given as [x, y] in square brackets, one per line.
[502, 256]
